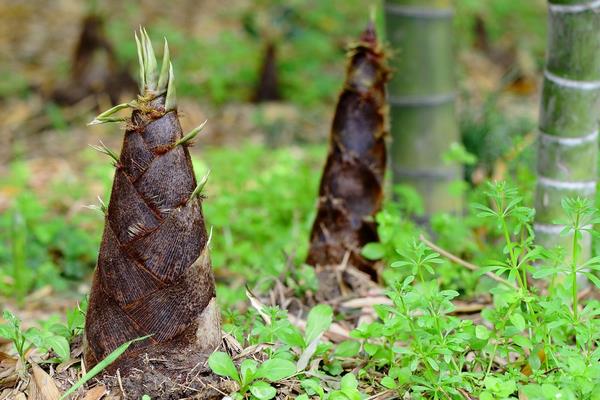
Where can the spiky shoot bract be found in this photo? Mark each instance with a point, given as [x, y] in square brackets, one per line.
[153, 276]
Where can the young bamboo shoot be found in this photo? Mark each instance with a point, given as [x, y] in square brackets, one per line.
[154, 275]
[351, 189]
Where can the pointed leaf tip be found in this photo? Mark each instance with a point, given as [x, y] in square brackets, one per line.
[140, 53]
[200, 186]
[171, 98]
[190, 135]
[163, 79]
[151, 67]
[369, 35]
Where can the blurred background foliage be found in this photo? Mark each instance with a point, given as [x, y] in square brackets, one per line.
[265, 157]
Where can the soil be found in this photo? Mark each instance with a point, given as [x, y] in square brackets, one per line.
[176, 376]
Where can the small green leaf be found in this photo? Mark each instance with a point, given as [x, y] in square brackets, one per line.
[291, 336]
[221, 364]
[318, 321]
[60, 345]
[248, 370]
[347, 348]
[481, 332]
[399, 264]
[348, 382]
[349, 385]
[276, 369]
[388, 383]
[518, 321]
[486, 396]
[6, 332]
[373, 251]
[593, 278]
[434, 365]
[522, 341]
[262, 390]
[312, 387]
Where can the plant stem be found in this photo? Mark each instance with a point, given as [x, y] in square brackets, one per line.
[420, 272]
[513, 262]
[489, 367]
[464, 263]
[574, 267]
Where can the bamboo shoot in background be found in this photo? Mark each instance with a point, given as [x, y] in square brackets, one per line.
[421, 97]
[568, 125]
[154, 275]
[351, 188]
[95, 69]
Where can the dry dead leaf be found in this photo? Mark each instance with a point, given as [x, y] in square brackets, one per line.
[95, 393]
[65, 365]
[8, 371]
[42, 386]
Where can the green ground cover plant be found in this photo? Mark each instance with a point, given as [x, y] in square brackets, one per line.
[526, 339]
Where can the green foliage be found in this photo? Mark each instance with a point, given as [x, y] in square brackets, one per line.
[292, 353]
[548, 332]
[417, 344]
[252, 377]
[44, 340]
[40, 243]
[490, 135]
[253, 240]
[43, 241]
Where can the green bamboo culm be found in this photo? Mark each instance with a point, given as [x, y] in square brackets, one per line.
[568, 125]
[421, 97]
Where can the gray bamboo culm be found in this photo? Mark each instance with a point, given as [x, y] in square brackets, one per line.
[569, 112]
[421, 96]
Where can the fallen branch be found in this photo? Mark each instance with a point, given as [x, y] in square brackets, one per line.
[465, 264]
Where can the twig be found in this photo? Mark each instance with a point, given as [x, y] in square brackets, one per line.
[382, 395]
[585, 292]
[120, 383]
[464, 263]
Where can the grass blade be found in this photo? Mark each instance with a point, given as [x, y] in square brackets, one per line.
[102, 365]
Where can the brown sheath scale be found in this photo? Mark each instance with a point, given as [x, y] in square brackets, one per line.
[351, 189]
[153, 275]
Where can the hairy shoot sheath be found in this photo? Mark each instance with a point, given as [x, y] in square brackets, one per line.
[351, 189]
[154, 277]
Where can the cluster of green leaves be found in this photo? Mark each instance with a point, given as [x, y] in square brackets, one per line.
[397, 231]
[260, 203]
[540, 343]
[491, 135]
[532, 342]
[260, 206]
[291, 354]
[52, 337]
